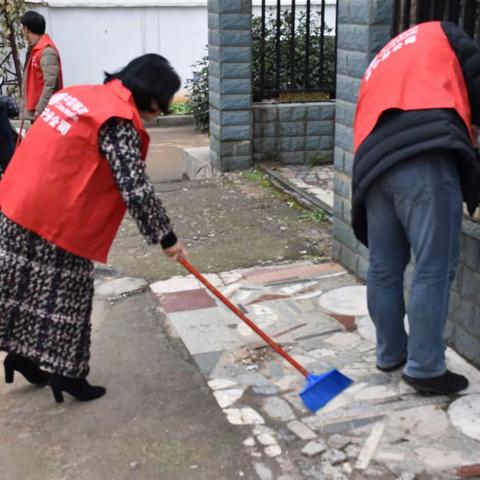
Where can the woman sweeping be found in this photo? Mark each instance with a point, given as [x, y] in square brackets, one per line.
[62, 199]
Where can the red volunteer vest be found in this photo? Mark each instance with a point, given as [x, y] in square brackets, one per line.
[57, 184]
[34, 75]
[417, 70]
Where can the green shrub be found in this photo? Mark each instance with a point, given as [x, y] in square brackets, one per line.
[322, 79]
[197, 88]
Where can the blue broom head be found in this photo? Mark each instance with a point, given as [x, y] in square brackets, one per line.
[320, 389]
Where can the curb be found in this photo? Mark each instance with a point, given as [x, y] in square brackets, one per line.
[162, 121]
[171, 121]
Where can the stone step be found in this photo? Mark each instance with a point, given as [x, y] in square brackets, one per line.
[197, 161]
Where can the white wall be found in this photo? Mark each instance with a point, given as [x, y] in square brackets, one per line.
[92, 40]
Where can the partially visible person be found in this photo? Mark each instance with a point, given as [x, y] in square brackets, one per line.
[43, 70]
[62, 199]
[8, 136]
[415, 164]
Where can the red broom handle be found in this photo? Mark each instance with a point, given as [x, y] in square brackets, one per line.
[240, 314]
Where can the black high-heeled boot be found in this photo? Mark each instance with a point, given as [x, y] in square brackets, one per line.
[26, 367]
[78, 388]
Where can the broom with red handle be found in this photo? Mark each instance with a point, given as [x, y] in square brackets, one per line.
[319, 389]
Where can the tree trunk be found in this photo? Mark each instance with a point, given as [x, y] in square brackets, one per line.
[15, 54]
[10, 49]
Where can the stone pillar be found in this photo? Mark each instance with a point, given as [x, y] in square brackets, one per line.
[230, 83]
[363, 29]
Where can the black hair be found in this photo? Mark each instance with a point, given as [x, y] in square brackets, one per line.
[149, 77]
[34, 22]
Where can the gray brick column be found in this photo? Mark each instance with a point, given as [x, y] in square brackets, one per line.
[230, 84]
[363, 29]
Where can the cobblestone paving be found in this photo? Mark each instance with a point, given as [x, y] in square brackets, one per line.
[379, 428]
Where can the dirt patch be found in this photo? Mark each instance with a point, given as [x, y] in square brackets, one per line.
[229, 222]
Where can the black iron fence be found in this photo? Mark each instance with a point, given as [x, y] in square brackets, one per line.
[294, 52]
[464, 12]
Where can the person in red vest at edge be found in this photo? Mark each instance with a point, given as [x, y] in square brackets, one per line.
[62, 199]
[43, 70]
[415, 160]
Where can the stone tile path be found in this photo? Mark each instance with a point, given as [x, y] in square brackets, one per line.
[379, 428]
[313, 183]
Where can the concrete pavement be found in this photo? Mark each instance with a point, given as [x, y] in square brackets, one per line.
[158, 420]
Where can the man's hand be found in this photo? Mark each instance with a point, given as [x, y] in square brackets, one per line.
[177, 250]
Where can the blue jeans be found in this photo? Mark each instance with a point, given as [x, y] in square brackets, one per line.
[416, 206]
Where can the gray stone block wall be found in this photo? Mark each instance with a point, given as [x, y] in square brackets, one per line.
[463, 329]
[364, 27]
[293, 132]
[230, 84]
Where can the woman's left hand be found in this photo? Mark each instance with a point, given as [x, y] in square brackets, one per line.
[177, 250]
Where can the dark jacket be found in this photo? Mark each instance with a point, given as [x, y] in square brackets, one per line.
[8, 109]
[401, 135]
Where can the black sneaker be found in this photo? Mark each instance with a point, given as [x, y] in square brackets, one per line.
[393, 367]
[446, 384]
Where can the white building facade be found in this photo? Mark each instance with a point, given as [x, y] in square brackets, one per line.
[94, 36]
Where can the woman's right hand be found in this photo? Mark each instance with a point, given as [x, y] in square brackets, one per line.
[175, 251]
